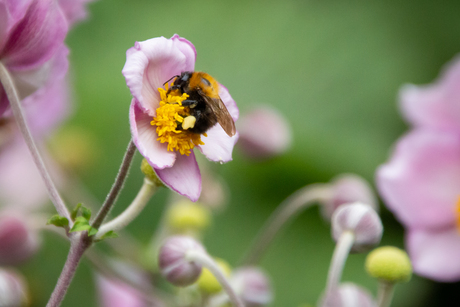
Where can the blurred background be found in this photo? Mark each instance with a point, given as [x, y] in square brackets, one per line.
[332, 68]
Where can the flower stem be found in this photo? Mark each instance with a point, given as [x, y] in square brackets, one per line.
[146, 192]
[385, 294]
[206, 261]
[294, 204]
[342, 249]
[18, 112]
[78, 246]
[117, 186]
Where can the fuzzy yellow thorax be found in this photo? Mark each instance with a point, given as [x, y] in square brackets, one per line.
[169, 115]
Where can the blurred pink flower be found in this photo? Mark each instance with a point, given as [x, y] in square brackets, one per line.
[115, 293]
[264, 133]
[74, 10]
[13, 289]
[149, 64]
[421, 182]
[31, 33]
[18, 242]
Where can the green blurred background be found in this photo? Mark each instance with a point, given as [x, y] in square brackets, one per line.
[333, 68]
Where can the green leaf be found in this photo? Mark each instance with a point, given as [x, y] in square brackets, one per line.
[92, 231]
[108, 235]
[58, 221]
[74, 213]
[86, 213]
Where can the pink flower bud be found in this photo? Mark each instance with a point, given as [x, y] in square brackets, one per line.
[17, 241]
[114, 293]
[348, 295]
[13, 290]
[264, 133]
[173, 263]
[345, 189]
[253, 286]
[362, 221]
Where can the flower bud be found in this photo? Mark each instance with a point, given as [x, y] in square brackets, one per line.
[187, 215]
[348, 295]
[389, 264]
[362, 221]
[13, 290]
[17, 242]
[345, 189]
[254, 127]
[253, 286]
[173, 263]
[115, 293]
[149, 173]
[207, 283]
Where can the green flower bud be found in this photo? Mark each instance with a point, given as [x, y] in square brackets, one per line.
[149, 173]
[207, 283]
[187, 215]
[389, 264]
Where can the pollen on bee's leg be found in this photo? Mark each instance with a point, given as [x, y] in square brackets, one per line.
[189, 122]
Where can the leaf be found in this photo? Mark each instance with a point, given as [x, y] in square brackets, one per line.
[92, 231]
[74, 213]
[108, 235]
[58, 221]
[86, 213]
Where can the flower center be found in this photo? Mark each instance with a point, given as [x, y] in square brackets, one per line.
[170, 114]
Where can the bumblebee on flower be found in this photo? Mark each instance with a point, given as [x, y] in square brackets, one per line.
[167, 122]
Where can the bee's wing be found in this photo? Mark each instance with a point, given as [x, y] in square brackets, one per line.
[223, 116]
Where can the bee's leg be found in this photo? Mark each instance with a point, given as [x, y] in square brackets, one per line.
[189, 103]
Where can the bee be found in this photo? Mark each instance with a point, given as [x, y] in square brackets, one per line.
[204, 102]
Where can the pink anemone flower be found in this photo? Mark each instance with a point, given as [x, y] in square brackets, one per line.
[149, 65]
[421, 182]
[31, 33]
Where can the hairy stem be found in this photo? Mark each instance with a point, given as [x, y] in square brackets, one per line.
[146, 192]
[209, 263]
[78, 245]
[19, 116]
[117, 186]
[342, 249]
[385, 294]
[288, 209]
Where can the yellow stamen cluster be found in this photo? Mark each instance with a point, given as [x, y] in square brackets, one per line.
[169, 115]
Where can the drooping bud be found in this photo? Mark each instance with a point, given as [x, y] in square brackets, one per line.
[187, 215]
[13, 290]
[114, 293]
[17, 242]
[345, 189]
[173, 263]
[149, 173]
[389, 264]
[253, 286]
[208, 283]
[348, 295]
[254, 127]
[362, 221]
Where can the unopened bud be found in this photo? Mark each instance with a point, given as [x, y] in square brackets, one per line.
[254, 127]
[115, 293]
[13, 290]
[362, 221]
[208, 283]
[17, 242]
[187, 215]
[345, 189]
[389, 264]
[348, 295]
[253, 286]
[149, 173]
[173, 263]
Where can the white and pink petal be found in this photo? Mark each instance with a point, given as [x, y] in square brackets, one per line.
[145, 138]
[218, 146]
[184, 176]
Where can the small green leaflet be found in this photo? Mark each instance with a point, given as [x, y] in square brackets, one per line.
[108, 235]
[82, 224]
[58, 221]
